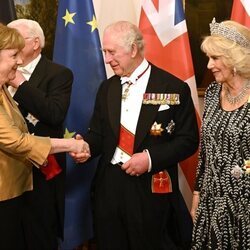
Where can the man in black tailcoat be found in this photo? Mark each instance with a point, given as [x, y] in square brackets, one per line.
[143, 124]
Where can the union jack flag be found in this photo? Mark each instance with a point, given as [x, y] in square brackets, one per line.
[241, 12]
[164, 28]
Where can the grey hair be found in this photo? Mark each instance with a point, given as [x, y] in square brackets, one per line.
[127, 34]
[33, 28]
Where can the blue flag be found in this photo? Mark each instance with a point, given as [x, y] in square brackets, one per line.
[77, 46]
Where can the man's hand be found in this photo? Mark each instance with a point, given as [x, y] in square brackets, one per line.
[82, 155]
[138, 164]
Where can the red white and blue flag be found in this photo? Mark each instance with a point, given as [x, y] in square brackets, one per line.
[77, 46]
[164, 29]
[241, 12]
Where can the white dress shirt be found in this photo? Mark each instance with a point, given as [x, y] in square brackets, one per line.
[131, 106]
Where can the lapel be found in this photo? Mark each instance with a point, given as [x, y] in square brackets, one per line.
[114, 103]
[39, 71]
[148, 112]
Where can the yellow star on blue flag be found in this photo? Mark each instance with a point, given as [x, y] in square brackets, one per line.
[93, 24]
[68, 134]
[79, 51]
[68, 17]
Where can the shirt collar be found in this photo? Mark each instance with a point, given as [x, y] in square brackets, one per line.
[137, 72]
[29, 68]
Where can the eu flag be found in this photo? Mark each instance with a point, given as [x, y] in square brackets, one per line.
[77, 46]
[7, 11]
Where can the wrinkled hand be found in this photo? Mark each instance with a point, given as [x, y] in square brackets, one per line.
[82, 155]
[17, 80]
[137, 164]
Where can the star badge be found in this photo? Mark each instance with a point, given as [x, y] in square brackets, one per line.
[32, 119]
[171, 126]
[156, 129]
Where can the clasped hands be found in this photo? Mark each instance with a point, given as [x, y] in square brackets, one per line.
[82, 153]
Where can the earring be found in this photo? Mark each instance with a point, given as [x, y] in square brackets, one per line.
[234, 71]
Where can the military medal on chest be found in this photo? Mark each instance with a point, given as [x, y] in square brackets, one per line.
[161, 98]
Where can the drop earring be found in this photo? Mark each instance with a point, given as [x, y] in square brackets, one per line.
[234, 71]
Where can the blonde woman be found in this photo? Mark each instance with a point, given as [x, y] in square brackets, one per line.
[18, 149]
[221, 199]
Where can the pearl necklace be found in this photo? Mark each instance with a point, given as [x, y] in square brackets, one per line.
[235, 99]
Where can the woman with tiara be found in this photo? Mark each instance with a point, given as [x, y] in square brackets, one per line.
[221, 200]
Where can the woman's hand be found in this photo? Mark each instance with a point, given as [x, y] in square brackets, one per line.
[82, 152]
[195, 202]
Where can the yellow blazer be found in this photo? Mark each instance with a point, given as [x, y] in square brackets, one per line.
[18, 149]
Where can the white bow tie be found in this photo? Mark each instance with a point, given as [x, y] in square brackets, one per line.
[132, 79]
[125, 79]
[23, 70]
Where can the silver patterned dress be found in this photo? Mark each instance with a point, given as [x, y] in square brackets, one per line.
[223, 215]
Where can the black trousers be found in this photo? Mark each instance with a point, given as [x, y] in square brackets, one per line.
[129, 217]
[41, 215]
[12, 220]
[29, 222]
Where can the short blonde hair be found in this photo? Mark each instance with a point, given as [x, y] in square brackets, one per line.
[10, 38]
[232, 54]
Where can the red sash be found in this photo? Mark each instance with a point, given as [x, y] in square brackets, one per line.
[126, 141]
[161, 182]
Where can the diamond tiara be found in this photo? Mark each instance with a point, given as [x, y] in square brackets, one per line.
[228, 32]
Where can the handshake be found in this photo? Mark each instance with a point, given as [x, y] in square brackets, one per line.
[77, 148]
[82, 152]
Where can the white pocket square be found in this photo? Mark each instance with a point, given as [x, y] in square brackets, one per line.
[163, 107]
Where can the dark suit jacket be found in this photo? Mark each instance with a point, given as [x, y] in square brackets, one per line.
[165, 150]
[47, 97]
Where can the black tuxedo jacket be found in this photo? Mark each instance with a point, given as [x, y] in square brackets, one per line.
[47, 97]
[165, 150]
